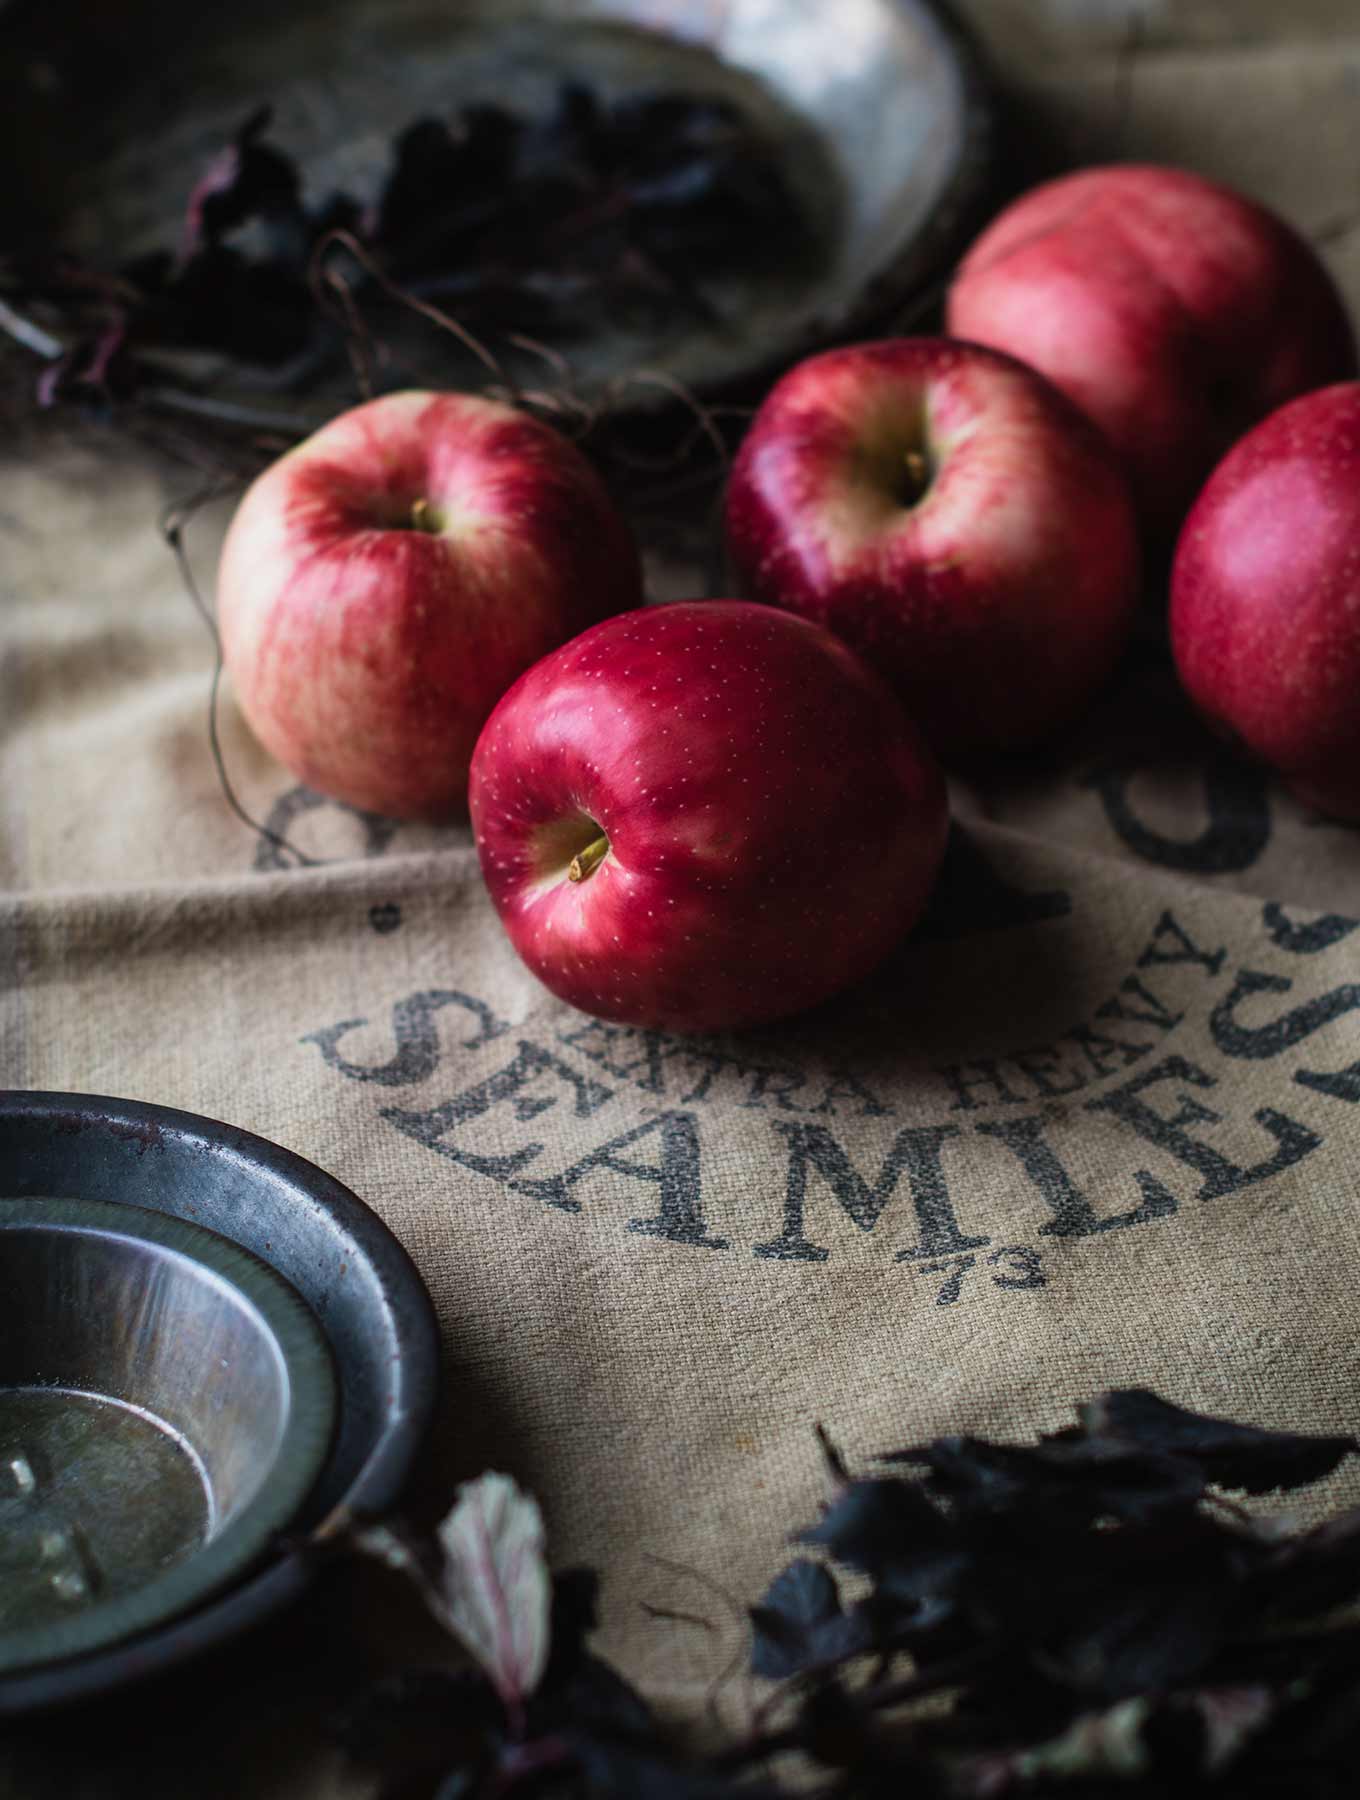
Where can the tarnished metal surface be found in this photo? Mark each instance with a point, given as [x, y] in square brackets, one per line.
[96, 1498]
[359, 1284]
[166, 1403]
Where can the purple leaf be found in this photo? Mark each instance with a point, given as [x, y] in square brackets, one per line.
[1247, 1457]
[871, 1523]
[245, 179]
[800, 1624]
[496, 1595]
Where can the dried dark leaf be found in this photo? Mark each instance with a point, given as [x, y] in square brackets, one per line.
[1078, 1479]
[259, 311]
[421, 1720]
[447, 185]
[244, 180]
[1247, 1457]
[607, 210]
[1109, 1611]
[404, 1551]
[579, 1690]
[837, 1726]
[1103, 1743]
[462, 1784]
[1313, 1571]
[574, 1617]
[1230, 1719]
[100, 367]
[1180, 1737]
[917, 1595]
[617, 1770]
[595, 1698]
[1085, 1619]
[1123, 1640]
[800, 1624]
[871, 1523]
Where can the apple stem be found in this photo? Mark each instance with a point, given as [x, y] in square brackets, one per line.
[586, 861]
[918, 474]
[423, 517]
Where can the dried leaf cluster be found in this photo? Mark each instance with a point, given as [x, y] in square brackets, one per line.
[1087, 1616]
[606, 211]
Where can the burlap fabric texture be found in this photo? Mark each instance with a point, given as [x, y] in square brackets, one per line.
[1095, 1124]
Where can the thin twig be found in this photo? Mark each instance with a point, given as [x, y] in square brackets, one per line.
[728, 1599]
[564, 402]
[172, 524]
[228, 412]
[562, 406]
[738, 1611]
[209, 455]
[554, 358]
[436, 316]
[358, 340]
[877, 1698]
[670, 1615]
[830, 1452]
[30, 335]
[1231, 1508]
[664, 493]
[705, 423]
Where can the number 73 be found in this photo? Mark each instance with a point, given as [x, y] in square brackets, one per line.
[1026, 1270]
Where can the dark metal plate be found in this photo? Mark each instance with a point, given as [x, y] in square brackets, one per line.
[354, 1276]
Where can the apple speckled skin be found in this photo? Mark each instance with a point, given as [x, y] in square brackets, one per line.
[774, 823]
[1173, 311]
[995, 589]
[383, 583]
[1265, 597]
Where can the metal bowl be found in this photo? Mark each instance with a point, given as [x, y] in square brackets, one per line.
[357, 1281]
[876, 108]
[166, 1403]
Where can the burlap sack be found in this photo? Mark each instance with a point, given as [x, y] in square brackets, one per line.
[1093, 1125]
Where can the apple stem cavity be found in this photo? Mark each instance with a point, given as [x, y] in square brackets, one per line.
[586, 861]
[425, 517]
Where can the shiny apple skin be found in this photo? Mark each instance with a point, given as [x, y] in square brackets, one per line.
[1265, 597]
[996, 603]
[1174, 311]
[366, 654]
[775, 824]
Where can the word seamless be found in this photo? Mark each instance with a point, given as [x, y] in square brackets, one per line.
[971, 1172]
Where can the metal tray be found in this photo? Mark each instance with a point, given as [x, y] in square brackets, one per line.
[359, 1283]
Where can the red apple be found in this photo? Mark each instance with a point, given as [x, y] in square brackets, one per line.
[1172, 310]
[383, 584]
[704, 815]
[1265, 597]
[951, 516]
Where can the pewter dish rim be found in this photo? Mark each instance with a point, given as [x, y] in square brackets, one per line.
[376, 1315]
